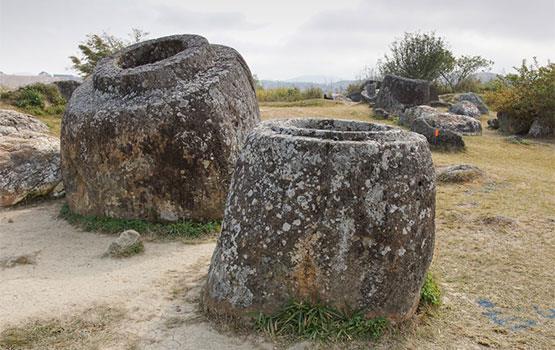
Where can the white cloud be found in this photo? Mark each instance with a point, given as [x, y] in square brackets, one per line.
[281, 39]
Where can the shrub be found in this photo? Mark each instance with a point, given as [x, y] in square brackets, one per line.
[38, 99]
[318, 322]
[353, 88]
[430, 294]
[288, 94]
[528, 94]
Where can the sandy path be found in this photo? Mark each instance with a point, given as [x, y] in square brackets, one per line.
[159, 288]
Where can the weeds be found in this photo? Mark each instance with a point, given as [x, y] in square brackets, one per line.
[180, 229]
[84, 331]
[430, 294]
[318, 322]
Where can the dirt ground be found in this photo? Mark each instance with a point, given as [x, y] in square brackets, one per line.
[494, 260]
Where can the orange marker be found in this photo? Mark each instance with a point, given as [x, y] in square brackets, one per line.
[436, 132]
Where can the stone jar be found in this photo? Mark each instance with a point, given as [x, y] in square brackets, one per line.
[339, 212]
[155, 131]
[398, 93]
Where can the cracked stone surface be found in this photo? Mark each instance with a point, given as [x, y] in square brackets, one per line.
[155, 132]
[29, 158]
[325, 210]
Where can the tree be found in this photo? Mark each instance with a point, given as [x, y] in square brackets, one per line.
[98, 46]
[462, 68]
[418, 56]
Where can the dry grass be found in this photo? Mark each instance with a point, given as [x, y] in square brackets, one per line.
[498, 279]
[92, 329]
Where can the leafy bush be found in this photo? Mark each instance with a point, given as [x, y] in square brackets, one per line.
[528, 94]
[288, 94]
[37, 99]
[430, 294]
[318, 322]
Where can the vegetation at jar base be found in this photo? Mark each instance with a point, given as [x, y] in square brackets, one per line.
[180, 229]
[318, 322]
[430, 294]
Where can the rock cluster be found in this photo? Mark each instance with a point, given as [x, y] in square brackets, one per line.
[29, 158]
[334, 211]
[443, 130]
[155, 131]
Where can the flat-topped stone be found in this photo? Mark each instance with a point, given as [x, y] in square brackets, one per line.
[340, 212]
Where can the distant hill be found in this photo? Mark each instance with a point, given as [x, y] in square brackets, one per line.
[14, 81]
[331, 86]
[485, 77]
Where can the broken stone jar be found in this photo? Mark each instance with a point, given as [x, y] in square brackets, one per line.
[339, 212]
[155, 131]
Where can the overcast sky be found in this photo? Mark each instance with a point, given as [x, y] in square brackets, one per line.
[281, 39]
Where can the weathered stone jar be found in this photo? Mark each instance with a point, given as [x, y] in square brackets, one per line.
[155, 132]
[340, 212]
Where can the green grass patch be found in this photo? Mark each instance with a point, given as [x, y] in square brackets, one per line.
[180, 229]
[430, 293]
[318, 322]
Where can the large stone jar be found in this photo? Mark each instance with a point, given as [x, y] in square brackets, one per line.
[155, 132]
[340, 212]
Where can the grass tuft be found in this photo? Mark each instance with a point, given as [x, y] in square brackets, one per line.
[180, 229]
[430, 293]
[84, 331]
[318, 322]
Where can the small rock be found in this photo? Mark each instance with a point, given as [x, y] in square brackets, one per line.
[411, 114]
[458, 173]
[475, 99]
[381, 113]
[540, 128]
[513, 124]
[24, 259]
[440, 104]
[465, 108]
[497, 220]
[127, 244]
[517, 140]
[438, 137]
[493, 123]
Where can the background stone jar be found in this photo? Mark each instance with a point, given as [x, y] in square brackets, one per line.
[155, 132]
[340, 212]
